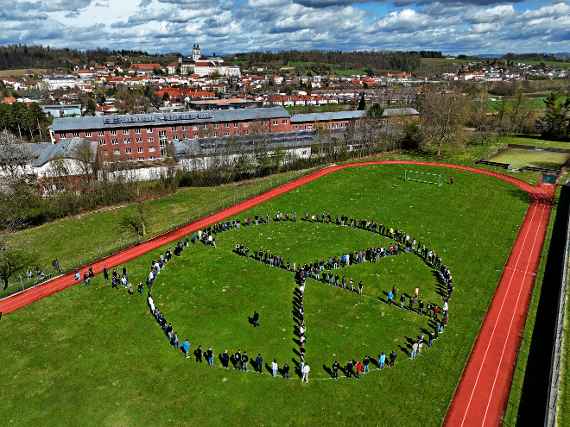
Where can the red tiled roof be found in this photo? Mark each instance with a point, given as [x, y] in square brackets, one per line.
[145, 67]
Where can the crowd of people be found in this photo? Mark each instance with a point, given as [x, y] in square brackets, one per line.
[322, 270]
[299, 320]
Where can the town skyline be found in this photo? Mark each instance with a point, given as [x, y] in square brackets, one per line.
[231, 26]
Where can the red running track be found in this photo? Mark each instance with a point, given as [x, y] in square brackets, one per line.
[483, 392]
[484, 387]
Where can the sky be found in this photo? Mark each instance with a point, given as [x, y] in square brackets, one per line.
[230, 26]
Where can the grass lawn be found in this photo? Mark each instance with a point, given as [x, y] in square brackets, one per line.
[519, 158]
[81, 239]
[95, 355]
[541, 143]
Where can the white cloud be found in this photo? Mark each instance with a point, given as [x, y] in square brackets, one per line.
[237, 25]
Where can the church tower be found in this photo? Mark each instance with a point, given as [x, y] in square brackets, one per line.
[196, 53]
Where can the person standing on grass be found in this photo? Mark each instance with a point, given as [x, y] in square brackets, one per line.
[381, 360]
[366, 363]
[259, 363]
[274, 368]
[445, 308]
[285, 371]
[358, 368]
[335, 368]
[244, 360]
[390, 297]
[348, 369]
[106, 274]
[393, 357]
[414, 352]
[186, 348]
[306, 370]
[198, 354]
[430, 339]
[225, 359]
[210, 356]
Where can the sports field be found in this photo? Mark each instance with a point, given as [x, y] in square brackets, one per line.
[519, 158]
[94, 355]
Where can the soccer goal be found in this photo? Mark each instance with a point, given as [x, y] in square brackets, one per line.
[424, 177]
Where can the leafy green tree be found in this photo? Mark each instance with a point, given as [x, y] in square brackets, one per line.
[375, 112]
[556, 121]
[12, 261]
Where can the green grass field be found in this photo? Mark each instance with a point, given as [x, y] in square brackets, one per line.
[82, 239]
[519, 158]
[95, 356]
[541, 143]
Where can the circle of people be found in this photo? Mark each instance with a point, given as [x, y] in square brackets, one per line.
[318, 270]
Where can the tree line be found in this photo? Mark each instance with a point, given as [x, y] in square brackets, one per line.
[28, 122]
[24, 56]
[402, 61]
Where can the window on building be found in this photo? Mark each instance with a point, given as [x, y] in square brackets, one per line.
[152, 158]
[128, 150]
[150, 140]
[127, 141]
[236, 125]
[138, 131]
[284, 121]
[275, 122]
[140, 150]
[101, 142]
[125, 131]
[75, 134]
[87, 134]
[227, 134]
[101, 133]
[227, 125]
[141, 158]
[149, 130]
[114, 132]
[151, 150]
[216, 125]
[114, 141]
[139, 140]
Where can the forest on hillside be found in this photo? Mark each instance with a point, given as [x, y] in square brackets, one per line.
[374, 60]
[24, 56]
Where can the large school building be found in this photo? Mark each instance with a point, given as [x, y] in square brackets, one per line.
[146, 137]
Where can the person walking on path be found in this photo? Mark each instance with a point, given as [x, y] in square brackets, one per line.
[274, 368]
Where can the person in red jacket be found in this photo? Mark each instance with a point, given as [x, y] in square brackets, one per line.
[359, 369]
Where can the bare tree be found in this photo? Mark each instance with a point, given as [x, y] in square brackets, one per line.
[15, 158]
[135, 222]
[443, 119]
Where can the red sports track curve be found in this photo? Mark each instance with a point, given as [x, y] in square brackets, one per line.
[482, 393]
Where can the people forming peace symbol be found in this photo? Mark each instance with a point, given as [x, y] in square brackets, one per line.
[328, 271]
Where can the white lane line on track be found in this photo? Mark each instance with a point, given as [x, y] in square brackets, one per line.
[533, 207]
[538, 231]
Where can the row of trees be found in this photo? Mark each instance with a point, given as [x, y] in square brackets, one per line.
[24, 56]
[27, 121]
[404, 61]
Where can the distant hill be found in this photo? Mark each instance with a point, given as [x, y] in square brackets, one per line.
[23, 56]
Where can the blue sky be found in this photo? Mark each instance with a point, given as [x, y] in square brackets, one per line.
[225, 26]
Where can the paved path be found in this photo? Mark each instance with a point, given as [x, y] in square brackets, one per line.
[483, 391]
